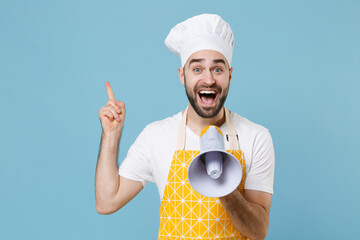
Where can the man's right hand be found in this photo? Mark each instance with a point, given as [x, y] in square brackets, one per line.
[110, 194]
[112, 115]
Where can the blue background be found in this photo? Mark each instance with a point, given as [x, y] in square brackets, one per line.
[296, 71]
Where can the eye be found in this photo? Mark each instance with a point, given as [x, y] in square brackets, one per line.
[217, 70]
[197, 70]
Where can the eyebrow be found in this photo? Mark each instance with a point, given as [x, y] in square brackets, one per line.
[194, 60]
[219, 61]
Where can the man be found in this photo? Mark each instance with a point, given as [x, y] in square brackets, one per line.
[163, 150]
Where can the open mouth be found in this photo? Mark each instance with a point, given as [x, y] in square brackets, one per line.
[207, 97]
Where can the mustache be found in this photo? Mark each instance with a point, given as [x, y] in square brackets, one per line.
[212, 86]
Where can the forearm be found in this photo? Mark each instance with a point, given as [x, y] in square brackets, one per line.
[249, 218]
[107, 177]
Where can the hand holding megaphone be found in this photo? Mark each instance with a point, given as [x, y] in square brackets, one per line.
[214, 172]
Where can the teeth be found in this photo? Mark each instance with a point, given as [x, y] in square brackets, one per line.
[207, 92]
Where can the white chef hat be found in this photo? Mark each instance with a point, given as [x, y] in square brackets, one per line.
[202, 32]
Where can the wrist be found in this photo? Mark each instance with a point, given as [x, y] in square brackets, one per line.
[232, 199]
[110, 139]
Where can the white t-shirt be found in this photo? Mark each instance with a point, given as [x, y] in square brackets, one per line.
[149, 158]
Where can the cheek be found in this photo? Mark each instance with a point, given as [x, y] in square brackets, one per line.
[225, 81]
[190, 82]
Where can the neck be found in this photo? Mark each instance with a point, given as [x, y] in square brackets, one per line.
[197, 123]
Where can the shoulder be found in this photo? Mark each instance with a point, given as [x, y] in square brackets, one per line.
[157, 136]
[252, 136]
[246, 127]
[166, 126]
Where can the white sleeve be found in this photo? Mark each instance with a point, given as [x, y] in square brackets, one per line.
[261, 173]
[137, 165]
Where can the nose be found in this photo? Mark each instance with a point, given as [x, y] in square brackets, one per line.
[209, 78]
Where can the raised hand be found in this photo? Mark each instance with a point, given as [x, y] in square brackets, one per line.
[112, 115]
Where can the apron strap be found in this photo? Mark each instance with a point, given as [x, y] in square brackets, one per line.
[231, 135]
[182, 132]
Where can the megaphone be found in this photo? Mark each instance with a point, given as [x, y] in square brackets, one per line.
[214, 172]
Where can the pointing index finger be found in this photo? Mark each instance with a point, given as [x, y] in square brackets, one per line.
[109, 91]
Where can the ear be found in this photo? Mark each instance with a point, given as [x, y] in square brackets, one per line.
[230, 73]
[181, 75]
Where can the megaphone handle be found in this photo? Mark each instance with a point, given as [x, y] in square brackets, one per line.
[202, 158]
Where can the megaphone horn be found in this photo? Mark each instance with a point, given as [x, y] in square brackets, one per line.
[214, 172]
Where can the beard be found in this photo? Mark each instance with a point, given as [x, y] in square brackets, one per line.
[206, 112]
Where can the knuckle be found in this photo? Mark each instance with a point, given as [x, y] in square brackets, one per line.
[102, 110]
[119, 102]
[109, 108]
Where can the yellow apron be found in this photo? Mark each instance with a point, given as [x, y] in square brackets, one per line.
[184, 213]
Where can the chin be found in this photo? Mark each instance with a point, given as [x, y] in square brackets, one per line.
[204, 113]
